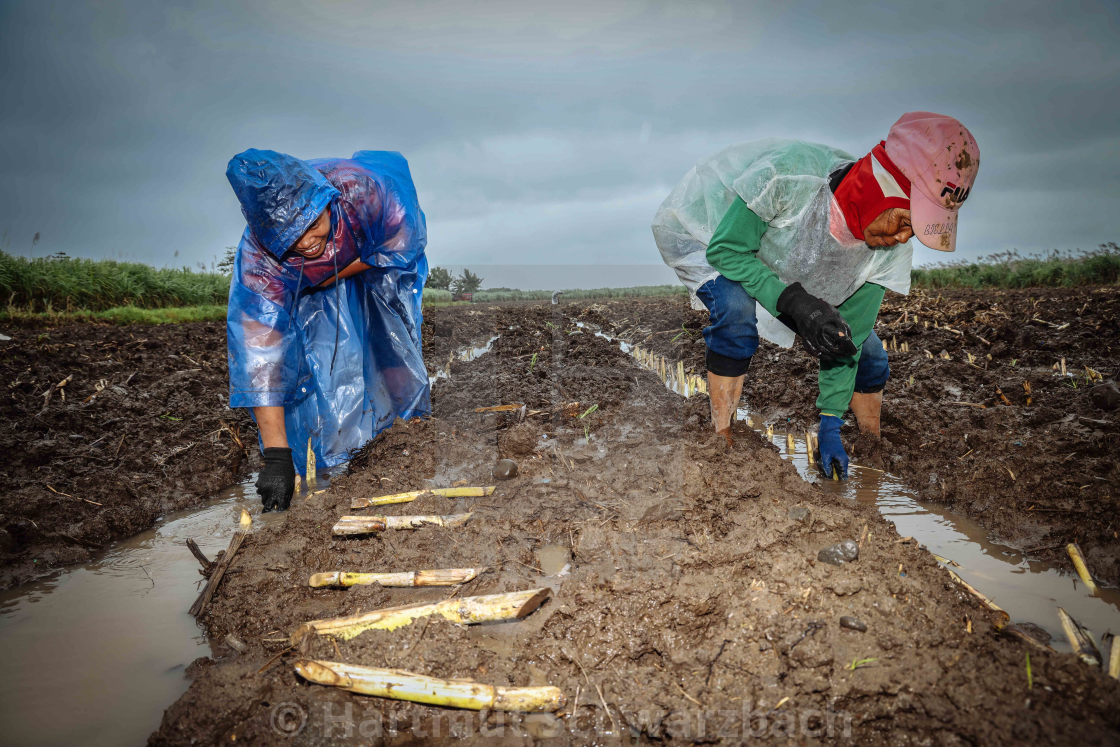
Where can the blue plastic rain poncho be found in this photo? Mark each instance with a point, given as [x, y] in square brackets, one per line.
[785, 183]
[342, 358]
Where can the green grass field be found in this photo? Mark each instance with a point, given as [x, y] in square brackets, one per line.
[128, 292]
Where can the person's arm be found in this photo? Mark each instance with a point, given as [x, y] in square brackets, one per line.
[733, 251]
[837, 378]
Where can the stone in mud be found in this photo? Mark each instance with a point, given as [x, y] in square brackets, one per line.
[853, 623]
[505, 469]
[798, 513]
[1105, 396]
[840, 553]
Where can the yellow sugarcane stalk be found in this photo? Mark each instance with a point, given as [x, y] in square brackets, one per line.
[310, 464]
[498, 408]
[981, 596]
[352, 525]
[1082, 569]
[437, 577]
[384, 500]
[1080, 639]
[417, 688]
[465, 611]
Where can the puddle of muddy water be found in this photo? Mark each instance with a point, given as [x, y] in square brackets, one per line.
[95, 653]
[466, 354]
[1029, 590]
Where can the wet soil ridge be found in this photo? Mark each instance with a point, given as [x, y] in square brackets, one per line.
[105, 428]
[689, 603]
[1010, 440]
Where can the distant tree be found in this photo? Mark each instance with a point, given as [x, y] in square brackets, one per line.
[225, 266]
[468, 282]
[439, 278]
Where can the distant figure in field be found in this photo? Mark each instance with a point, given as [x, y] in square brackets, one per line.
[324, 312]
[814, 237]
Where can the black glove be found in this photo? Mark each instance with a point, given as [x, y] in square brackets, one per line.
[824, 331]
[277, 480]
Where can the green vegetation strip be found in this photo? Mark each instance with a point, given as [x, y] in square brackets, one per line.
[122, 315]
[1009, 270]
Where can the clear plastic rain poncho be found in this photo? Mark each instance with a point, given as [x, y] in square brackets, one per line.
[785, 183]
[342, 358]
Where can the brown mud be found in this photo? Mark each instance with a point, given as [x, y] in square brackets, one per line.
[1038, 474]
[140, 429]
[688, 603]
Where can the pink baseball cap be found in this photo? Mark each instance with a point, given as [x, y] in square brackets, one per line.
[940, 157]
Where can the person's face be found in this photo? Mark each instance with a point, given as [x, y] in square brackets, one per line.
[891, 228]
[314, 239]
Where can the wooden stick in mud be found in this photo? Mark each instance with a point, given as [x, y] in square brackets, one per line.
[1114, 659]
[220, 568]
[981, 597]
[384, 500]
[1080, 639]
[196, 551]
[1082, 569]
[437, 577]
[355, 525]
[417, 688]
[465, 611]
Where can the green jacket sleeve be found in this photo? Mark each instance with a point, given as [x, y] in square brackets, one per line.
[837, 379]
[733, 251]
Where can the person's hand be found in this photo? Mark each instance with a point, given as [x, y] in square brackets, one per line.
[824, 331]
[277, 480]
[832, 457]
[890, 228]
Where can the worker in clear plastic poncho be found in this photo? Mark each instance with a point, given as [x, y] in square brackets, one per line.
[779, 237]
[324, 312]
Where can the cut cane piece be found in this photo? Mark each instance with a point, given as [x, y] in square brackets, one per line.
[1082, 569]
[466, 611]
[500, 408]
[311, 478]
[417, 688]
[384, 500]
[355, 525]
[1005, 618]
[1114, 659]
[437, 577]
[1080, 639]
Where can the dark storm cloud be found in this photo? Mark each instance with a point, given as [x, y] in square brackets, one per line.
[541, 135]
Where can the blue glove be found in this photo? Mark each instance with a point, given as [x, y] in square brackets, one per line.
[832, 455]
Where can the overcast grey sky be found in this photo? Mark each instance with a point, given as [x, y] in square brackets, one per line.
[539, 134]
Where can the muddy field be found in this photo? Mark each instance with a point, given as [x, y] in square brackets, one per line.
[687, 601]
[1038, 469]
[103, 430]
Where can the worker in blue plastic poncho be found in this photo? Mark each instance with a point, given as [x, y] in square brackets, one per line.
[808, 236]
[324, 312]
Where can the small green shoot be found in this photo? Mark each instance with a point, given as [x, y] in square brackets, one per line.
[1030, 678]
[550, 325]
[588, 411]
[533, 363]
[858, 663]
[1014, 361]
[169, 417]
[684, 331]
[586, 433]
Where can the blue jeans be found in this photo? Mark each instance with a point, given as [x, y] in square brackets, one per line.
[732, 336]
